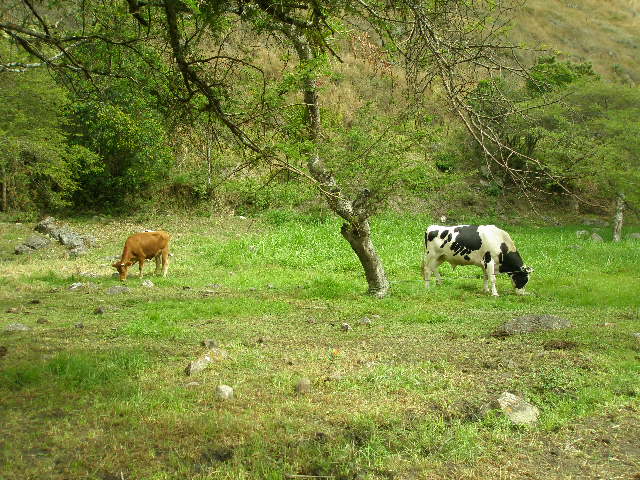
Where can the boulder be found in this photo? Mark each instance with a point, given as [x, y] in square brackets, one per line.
[198, 365]
[517, 409]
[634, 236]
[224, 392]
[22, 249]
[596, 238]
[34, 242]
[531, 323]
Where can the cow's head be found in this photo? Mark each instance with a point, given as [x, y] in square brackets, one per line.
[123, 269]
[521, 277]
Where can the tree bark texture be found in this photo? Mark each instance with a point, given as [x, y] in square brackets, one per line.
[356, 229]
[617, 221]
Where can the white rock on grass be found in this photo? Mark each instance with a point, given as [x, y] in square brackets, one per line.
[198, 365]
[148, 283]
[519, 411]
[224, 392]
[582, 234]
[16, 327]
[596, 238]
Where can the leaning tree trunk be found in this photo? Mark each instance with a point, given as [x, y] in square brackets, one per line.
[356, 229]
[617, 221]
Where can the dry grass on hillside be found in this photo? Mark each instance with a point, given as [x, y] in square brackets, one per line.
[603, 33]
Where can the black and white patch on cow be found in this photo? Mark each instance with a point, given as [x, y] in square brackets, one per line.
[486, 246]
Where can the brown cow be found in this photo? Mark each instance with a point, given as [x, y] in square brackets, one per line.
[142, 246]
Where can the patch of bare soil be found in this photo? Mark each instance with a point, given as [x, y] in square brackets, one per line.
[594, 448]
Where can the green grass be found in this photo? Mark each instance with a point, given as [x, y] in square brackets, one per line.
[408, 396]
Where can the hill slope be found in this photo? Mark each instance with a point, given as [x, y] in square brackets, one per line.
[603, 33]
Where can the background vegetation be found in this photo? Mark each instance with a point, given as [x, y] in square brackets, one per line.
[118, 142]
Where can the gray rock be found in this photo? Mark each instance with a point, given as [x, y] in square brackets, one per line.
[22, 249]
[36, 242]
[16, 327]
[366, 321]
[71, 239]
[637, 336]
[518, 410]
[596, 238]
[582, 233]
[224, 392]
[303, 386]
[634, 236]
[198, 365]
[192, 384]
[148, 284]
[345, 327]
[77, 285]
[46, 225]
[100, 310]
[117, 290]
[531, 323]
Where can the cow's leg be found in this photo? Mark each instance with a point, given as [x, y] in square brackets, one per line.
[158, 259]
[165, 261]
[491, 271]
[430, 266]
[485, 287]
[426, 271]
[141, 263]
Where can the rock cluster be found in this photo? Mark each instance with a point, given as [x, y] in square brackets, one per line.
[76, 243]
[34, 242]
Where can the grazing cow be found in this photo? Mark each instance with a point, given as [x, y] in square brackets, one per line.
[483, 245]
[142, 246]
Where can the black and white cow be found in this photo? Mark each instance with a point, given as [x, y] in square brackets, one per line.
[483, 245]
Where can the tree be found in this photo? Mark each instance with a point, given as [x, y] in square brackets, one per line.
[211, 68]
[39, 168]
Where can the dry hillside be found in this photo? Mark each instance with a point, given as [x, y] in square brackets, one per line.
[605, 33]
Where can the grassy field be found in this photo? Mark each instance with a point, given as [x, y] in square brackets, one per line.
[407, 396]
